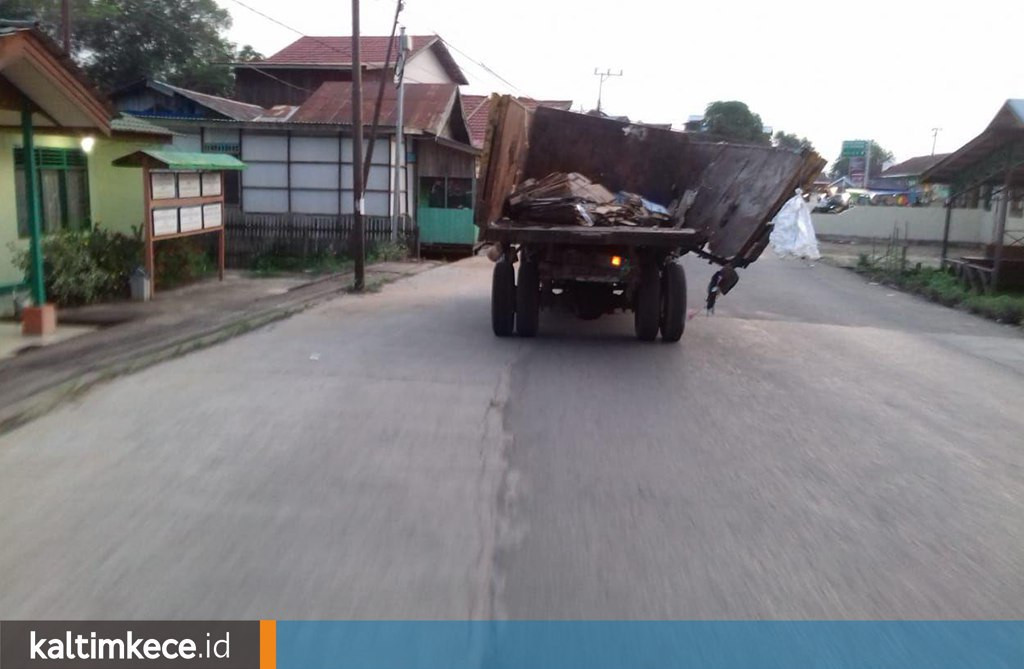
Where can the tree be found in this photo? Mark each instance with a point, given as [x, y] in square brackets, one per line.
[46, 12]
[247, 54]
[879, 157]
[733, 121]
[119, 41]
[785, 140]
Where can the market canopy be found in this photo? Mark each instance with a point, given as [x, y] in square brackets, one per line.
[180, 160]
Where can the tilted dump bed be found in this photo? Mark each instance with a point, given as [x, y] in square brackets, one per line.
[736, 190]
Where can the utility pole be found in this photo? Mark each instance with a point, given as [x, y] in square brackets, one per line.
[867, 165]
[65, 25]
[358, 240]
[600, 86]
[403, 49]
[935, 138]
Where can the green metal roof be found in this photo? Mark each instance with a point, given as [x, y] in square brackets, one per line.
[136, 125]
[180, 160]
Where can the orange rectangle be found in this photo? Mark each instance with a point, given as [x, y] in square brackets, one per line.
[268, 644]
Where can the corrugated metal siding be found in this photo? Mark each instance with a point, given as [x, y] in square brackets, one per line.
[187, 142]
[264, 147]
[308, 183]
[438, 161]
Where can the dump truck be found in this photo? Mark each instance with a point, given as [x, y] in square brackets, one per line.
[723, 197]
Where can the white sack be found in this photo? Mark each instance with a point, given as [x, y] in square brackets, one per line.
[793, 232]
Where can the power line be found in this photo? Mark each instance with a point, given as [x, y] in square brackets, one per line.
[269, 18]
[278, 79]
[481, 64]
[288, 27]
[446, 42]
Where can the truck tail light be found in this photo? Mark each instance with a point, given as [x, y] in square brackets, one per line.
[616, 261]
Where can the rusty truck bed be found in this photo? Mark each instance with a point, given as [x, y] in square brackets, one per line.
[736, 189]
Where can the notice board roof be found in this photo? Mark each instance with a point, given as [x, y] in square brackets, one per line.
[180, 160]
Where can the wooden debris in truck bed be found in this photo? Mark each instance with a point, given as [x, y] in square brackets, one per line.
[561, 185]
[570, 198]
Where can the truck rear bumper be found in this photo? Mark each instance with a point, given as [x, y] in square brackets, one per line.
[623, 235]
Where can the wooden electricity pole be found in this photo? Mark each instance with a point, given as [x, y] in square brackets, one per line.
[358, 237]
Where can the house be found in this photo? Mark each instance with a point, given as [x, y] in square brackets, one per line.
[291, 122]
[299, 157]
[202, 122]
[694, 123]
[294, 73]
[905, 177]
[46, 104]
[989, 168]
[477, 108]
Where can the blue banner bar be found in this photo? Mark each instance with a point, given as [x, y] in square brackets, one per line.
[651, 645]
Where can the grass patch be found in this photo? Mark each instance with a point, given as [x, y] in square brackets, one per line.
[275, 263]
[942, 287]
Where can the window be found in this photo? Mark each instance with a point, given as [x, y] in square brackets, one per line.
[446, 193]
[1016, 203]
[63, 180]
[460, 193]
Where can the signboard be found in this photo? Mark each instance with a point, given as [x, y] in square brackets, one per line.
[188, 185]
[190, 219]
[213, 215]
[854, 148]
[856, 172]
[165, 222]
[163, 185]
[211, 183]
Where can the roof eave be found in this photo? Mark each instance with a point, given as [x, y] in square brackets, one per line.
[447, 60]
[34, 44]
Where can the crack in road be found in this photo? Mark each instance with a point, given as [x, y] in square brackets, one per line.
[493, 502]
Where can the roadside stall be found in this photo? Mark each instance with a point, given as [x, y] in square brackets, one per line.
[989, 167]
[183, 196]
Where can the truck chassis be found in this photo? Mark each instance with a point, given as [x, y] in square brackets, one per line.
[590, 272]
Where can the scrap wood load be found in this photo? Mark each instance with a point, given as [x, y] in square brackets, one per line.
[573, 199]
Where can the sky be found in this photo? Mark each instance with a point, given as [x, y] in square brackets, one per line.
[889, 71]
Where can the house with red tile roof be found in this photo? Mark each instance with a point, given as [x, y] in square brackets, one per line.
[295, 72]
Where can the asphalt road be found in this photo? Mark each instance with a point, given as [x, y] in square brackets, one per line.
[820, 448]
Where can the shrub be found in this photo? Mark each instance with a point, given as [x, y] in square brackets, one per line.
[182, 260]
[942, 287]
[118, 255]
[1004, 308]
[85, 267]
[388, 251]
[939, 286]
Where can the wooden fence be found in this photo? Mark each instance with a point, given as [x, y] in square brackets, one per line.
[249, 236]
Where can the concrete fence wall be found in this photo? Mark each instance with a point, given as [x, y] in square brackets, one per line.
[925, 224]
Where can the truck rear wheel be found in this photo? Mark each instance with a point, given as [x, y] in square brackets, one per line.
[503, 298]
[647, 304]
[528, 299]
[673, 315]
